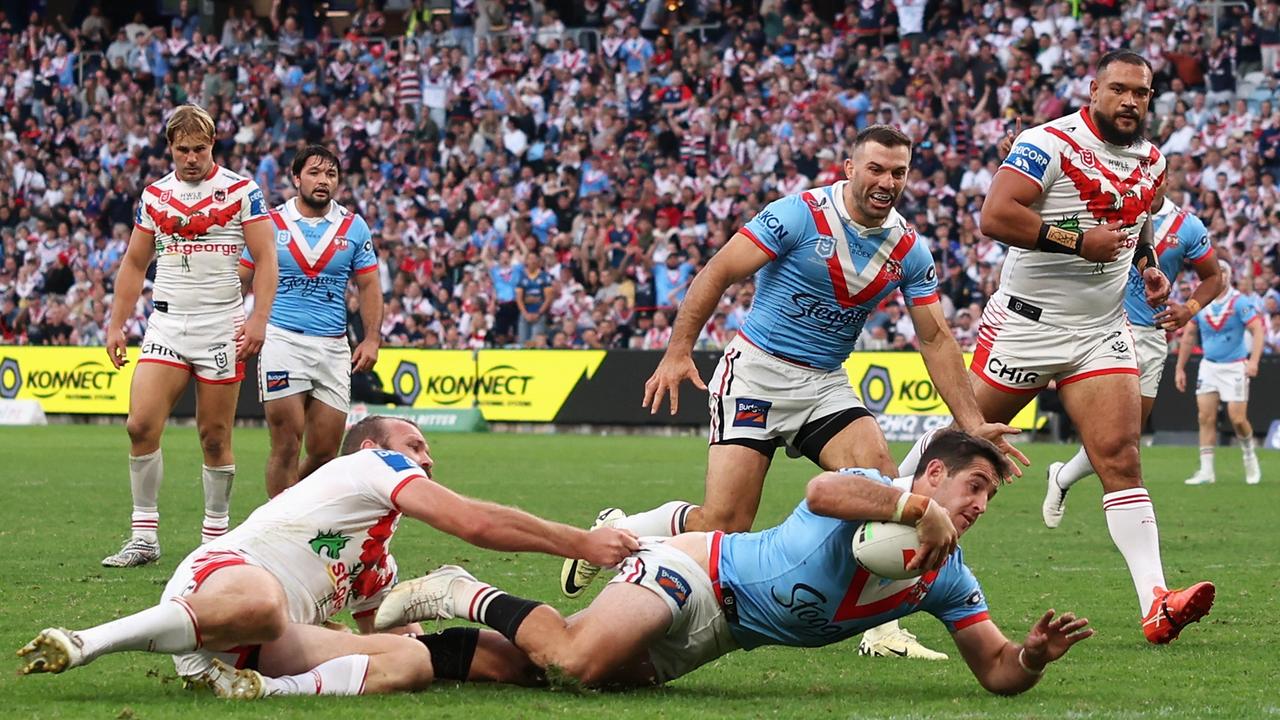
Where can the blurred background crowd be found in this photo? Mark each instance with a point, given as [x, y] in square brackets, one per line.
[554, 174]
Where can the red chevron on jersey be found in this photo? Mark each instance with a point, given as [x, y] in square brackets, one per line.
[166, 197]
[853, 288]
[861, 601]
[1168, 236]
[312, 260]
[196, 224]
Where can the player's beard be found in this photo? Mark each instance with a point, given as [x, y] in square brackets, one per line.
[317, 204]
[1114, 135]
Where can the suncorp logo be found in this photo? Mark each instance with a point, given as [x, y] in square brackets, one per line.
[452, 389]
[86, 377]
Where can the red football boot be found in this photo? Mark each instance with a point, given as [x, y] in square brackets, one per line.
[1172, 610]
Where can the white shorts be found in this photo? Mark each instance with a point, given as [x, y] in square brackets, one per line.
[293, 363]
[759, 398]
[204, 344]
[1228, 379]
[1153, 351]
[187, 578]
[699, 632]
[1016, 354]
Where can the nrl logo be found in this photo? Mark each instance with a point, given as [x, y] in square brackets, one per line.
[826, 247]
[1087, 157]
[328, 544]
[165, 196]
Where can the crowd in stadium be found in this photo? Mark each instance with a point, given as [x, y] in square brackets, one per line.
[497, 151]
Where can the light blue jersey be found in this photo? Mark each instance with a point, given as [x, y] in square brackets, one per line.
[1180, 237]
[798, 584]
[317, 257]
[826, 274]
[1221, 325]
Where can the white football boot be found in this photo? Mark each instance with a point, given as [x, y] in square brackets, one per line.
[134, 553]
[229, 683]
[1055, 498]
[54, 650]
[427, 598]
[896, 642]
[1252, 473]
[1200, 478]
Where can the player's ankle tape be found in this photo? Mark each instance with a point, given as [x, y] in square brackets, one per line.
[451, 652]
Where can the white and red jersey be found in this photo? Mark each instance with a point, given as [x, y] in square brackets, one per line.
[327, 539]
[199, 235]
[1085, 182]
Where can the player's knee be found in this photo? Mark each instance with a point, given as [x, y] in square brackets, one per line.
[1116, 455]
[405, 669]
[580, 667]
[726, 519]
[143, 429]
[263, 616]
[1207, 417]
[215, 439]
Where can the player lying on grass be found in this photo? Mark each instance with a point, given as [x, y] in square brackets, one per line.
[254, 597]
[682, 602]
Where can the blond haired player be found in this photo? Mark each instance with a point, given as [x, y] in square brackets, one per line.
[195, 222]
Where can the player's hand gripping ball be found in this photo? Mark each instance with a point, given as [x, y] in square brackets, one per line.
[885, 548]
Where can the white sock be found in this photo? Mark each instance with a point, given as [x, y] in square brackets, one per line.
[145, 474]
[912, 460]
[169, 627]
[217, 500]
[1075, 470]
[340, 676]
[664, 521]
[1206, 461]
[880, 631]
[1132, 521]
[1247, 446]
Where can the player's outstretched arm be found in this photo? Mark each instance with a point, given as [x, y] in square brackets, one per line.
[128, 286]
[1176, 315]
[260, 240]
[1006, 668]
[498, 527]
[739, 258]
[945, 363]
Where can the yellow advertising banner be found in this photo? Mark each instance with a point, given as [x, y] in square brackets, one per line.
[66, 379]
[531, 385]
[506, 385]
[897, 383]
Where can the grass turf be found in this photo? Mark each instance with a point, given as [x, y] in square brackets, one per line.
[66, 501]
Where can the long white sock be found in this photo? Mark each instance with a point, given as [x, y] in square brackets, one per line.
[1075, 470]
[912, 460]
[217, 500]
[663, 521]
[340, 676]
[1206, 461]
[169, 627]
[1132, 521]
[145, 474]
[1247, 446]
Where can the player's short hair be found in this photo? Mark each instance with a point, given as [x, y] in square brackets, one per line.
[326, 156]
[958, 450]
[1127, 57]
[372, 427]
[189, 120]
[885, 135]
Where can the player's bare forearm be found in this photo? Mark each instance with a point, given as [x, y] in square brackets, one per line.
[1186, 345]
[1006, 676]
[369, 290]
[266, 270]
[133, 270]
[851, 497]
[1258, 333]
[1210, 280]
[945, 363]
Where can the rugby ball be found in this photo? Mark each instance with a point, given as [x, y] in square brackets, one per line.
[885, 548]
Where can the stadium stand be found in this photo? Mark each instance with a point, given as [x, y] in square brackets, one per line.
[616, 146]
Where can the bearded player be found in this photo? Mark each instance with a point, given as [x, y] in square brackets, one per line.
[304, 374]
[254, 597]
[1180, 238]
[195, 221]
[823, 260]
[1073, 200]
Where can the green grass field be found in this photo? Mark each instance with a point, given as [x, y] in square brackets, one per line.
[66, 505]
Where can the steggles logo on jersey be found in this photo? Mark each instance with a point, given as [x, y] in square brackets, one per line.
[329, 544]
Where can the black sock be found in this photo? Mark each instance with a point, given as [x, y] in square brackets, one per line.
[451, 652]
[502, 612]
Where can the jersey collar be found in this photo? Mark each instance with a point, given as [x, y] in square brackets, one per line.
[290, 210]
[1166, 208]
